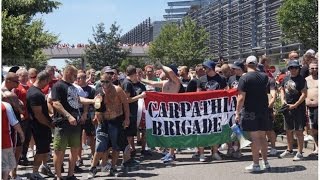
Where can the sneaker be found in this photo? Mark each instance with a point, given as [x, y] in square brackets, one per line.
[168, 158]
[223, 147]
[30, 153]
[92, 172]
[146, 153]
[230, 152]
[237, 154]
[253, 168]
[202, 158]
[24, 161]
[131, 163]
[79, 163]
[298, 157]
[216, 156]
[46, 170]
[113, 172]
[77, 169]
[35, 176]
[71, 178]
[106, 168]
[266, 165]
[195, 155]
[286, 153]
[273, 152]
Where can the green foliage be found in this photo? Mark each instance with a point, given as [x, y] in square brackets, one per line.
[278, 125]
[105, 50]
[23, 38]
[299, 22]
[181, 45]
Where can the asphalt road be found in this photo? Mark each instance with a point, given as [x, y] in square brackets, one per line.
[185, 168]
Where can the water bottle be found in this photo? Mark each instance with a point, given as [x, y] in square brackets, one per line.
[97, 103]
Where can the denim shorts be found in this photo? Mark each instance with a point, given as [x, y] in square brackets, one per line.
[107, 134]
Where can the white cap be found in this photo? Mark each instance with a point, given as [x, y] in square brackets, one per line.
[311, 51]
[251, 59]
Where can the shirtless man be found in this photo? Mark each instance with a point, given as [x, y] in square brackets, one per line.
[112, 114]
[11, 82]
[312, 101]
[172, 85]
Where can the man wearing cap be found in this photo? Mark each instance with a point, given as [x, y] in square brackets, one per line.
[252, 111]
[294, 93]
[238, 69]
[210, 82]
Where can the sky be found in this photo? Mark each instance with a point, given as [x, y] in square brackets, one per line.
[74, 19]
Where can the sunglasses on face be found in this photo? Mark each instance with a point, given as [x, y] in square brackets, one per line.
[313, 68]
[293, 68]
[33, 77]
[81, 77]
[104, 82]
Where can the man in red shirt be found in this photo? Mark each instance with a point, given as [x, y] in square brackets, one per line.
[8, 119]
[21, 92]
[46, 90]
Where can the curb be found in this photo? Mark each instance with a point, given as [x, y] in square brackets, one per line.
[307, 144]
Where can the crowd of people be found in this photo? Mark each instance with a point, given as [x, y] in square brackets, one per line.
[86, 108]
[82, 45]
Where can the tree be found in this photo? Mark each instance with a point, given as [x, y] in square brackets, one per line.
[298, 21]
[23, 37]
[181, 45]
[105, 50]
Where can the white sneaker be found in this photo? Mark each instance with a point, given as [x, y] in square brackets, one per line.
[298, 157]
[30, 153]
[286, 153]
[202, 158]
[253, 168]
[223, 147]
[216, 156]
[273, 152]
[266, 165]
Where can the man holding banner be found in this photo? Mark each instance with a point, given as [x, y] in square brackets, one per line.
[172, 85]
[252, 111]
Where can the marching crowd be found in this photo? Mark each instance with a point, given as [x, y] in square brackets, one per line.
[100, 109]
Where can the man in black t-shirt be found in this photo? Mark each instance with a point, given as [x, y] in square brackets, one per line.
[67, 119]
[209, 82]
[238, 68]
[252, 109]
[127, 86]
[212, 80]
[87, 111]
[183, 72]
[294, 93]
[41, 123]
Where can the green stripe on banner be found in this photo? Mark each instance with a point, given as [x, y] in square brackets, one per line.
[191, 140]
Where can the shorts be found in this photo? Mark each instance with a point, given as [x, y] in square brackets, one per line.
[107, 134]
[42, 136]
[8, 160]
[67, 136]
[89, 128]
[313, 117]
[132, 130]
[295, 119]
[256, 121]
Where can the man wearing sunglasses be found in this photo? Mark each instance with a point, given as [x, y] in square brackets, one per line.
[312, 101]
[294, 93]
